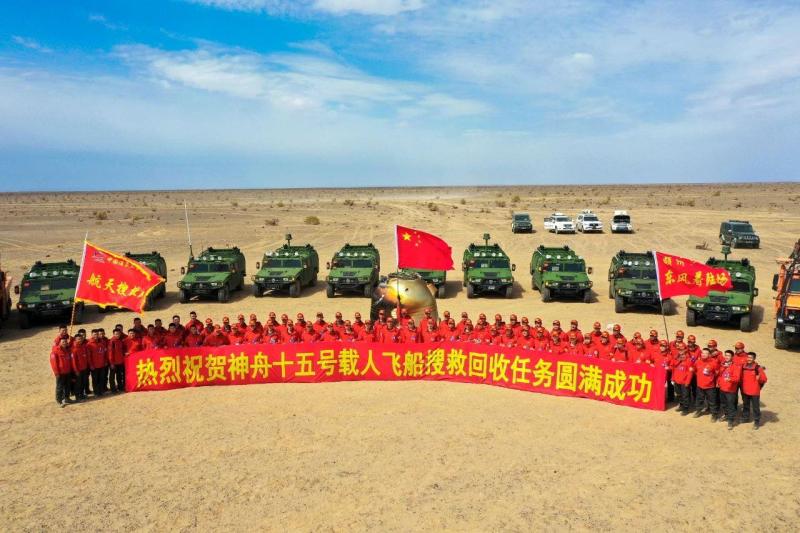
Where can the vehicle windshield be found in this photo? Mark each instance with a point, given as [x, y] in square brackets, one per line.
[620, 219]
[742, 228]
[282, 263]
[637, 273]
[590, 218]
[563, 267]
[492, 263]
[794, 286]
[522, 218]
[50, 284]
[209, 267]
[561, 219]
[740, 286]
[352, 263]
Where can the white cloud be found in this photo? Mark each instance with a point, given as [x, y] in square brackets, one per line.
[31, 44]
[103, 21]
[369, 7]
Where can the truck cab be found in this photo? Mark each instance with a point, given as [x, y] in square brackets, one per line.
[47, 290]
[632, 280]
[786, 283]
[559, 271]
[216, 273]
[735, 305]
[288, 268]
[487, 269]
[354, 268]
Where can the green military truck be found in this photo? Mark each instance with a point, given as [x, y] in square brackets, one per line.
[215, 274]
[487, 269]
[288, 268]
[558, 271]
[354, 268]
[155, 262]
[48, 290]
[437, 278]
[735, 305]
[632, 281]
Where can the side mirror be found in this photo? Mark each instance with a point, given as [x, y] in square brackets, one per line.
[16, 289]
[755, 292]
[328, 265]
[589, 270]
[183, 270]
[258, 265]
[513, 267]
[774, 282]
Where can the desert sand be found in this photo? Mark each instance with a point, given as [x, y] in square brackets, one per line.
[392, 456]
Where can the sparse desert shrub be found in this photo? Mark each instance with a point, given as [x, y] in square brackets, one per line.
[349, 202]
[500, 203]
[515, 199]
[101, 215]
[279, 204]
[312, 220]
[432, 207]
[271, 222]
[463, 202]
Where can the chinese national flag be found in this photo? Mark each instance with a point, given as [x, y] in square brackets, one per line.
[107, 278]
[678, 276]
[417, 249]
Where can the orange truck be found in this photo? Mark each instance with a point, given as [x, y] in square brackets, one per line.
[786, 283]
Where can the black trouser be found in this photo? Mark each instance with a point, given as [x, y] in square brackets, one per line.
[62, 387]
[693, 390]
[729, 404]
[756, 401]
[684, 398]
[99, 380]
[116, 378]
[670, 388]
[707, 397]
[81, 388]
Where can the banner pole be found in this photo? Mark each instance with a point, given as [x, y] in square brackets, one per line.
[397, 276]
[80, 271]
[660, 300]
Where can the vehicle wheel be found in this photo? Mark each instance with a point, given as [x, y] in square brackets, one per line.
[587, 296]
[24, 320]
[148, 303]
[257, 292]
[313, 282]
[470, 291]
[533, 284]
[546, 294]
[509, 292]
[368, 290]
[183, 296]
[441, 291]
[79, 313]
[464, 282]
[330, 291]
[294, 289]
[163, 291]
[223, 295]
[781, 340]
[610, 291]
[619, 304]
[691, 318]
[241, 285]
[744, 323]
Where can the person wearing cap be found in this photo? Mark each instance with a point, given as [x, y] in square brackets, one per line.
[573, 346]
[507, 339]
[557, 345]
[525, 324]
[358, 324]
[682, 372]
[619, 352]
[217, 337]
[631, 344]
[638, 352]
[587, 348]
[573, 328]
[597, 332]
[282, 326]
[390, 334]
[616, 334]
[739, 354]
[754, 377]
[272, 320]
[368, 334]
[482, 323]
[678, 340]
[253, 334]
[652, 344]
[444, 325]
[664, 359]
[402, 322]
[428, 318]
[320, 326]
[498, 323]
[271, 335]
[728, 378]
[338, 323]
[560, 332]
[410, 334]
[193, 321]
[309, 334]
[348, 335]
[61, 364]
[236, 336]
[694, 351]
[300, 322]
[226, 321]
[463, 322]
[525, 341]
[292, 335]
[241, 322]
[605, 347]
[116, 362]
[431, 332]
[706, 372]
[79, 359]
[208, 330]
[259, 326]
[541, 341]
[513, 324]
[451, 333]
[98, 362]
[465, 334]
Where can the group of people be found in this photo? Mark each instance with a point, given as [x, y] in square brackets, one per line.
[704, 380]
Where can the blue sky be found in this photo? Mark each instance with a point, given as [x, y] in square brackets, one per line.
[271, 93]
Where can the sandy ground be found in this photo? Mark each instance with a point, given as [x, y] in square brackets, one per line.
[391, 456]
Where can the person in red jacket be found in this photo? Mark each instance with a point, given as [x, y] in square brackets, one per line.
[320, 324]
[754, 378]
[639, 353]
[348, 334]
[507, 339]
[513, 324]
[133, 342]
[605, 347]
[678, 340]
[176, 319]
[192, 340]
[444, 324]
[431, 333]
[587, 347]
[216, 338]
[62, 334]
[663, 358]
[61, 363]
[80, 366]
[706, 372]
[597, 332]
[465, 334]
[560, 332]
[682, 373]
[525, 341]
[573, 328]
[616, 334]
[390, 333]
[292, 335]
[116, 362]
[653, 344]
[358, 324]
[619, 352]
[499, 324]
[410, 334]
[236, 336]
[557, 346]
[739, 354]
[368, 334]
[309, 334]
[193, 321]
[300, 321]
[338, 323]
[693, 350]
[273, 336]
[730, 374]
[540, 340]
[573, 348]
[98, 363]
[450, 333]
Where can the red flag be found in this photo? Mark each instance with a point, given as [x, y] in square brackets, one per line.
[107, 278]
[417, 249]
[678, 275]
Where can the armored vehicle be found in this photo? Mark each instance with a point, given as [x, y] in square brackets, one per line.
[437, 278]
[521, 223]
[738, 233]
[215, 274]
[354, 268]
[155, 262]
[48, 290]
[487, 269]
[787, 300]
[632, 280]
[560, 272]
[587, 221]
[735, 305]
[621, 222]
[5, 296]
[288, 268]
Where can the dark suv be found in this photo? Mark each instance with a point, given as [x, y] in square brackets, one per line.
[738, 233]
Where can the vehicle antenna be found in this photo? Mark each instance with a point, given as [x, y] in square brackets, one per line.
[188, 231]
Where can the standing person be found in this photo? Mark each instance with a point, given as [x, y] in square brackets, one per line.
[116, 362]
[739, 355]
[619, 352]
[309, 334]
[663, 358]
[706, 372]
[597, 332]
[193, 321]
[97, 363]
[573, 328]
[682, 372]
[193, 339]
[61, 363]
[80, 366]
[753, 380]
[730, 374]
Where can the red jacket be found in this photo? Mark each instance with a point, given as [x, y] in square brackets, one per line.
[729, 377]
[193, 340]
[706, 371]
[329, 336]
[80, 357]
[604, 351]
[558, 349]
[753, 379]
[682, 371]
[309, 336]
[368, 336]
[430, 336]
[61, 361]
[216, 340]
[134, 344]
[97, 353]
[618, 354]
[409, 336]
[116, 352]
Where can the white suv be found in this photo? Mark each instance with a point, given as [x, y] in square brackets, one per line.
[588, 221]
[559, 223]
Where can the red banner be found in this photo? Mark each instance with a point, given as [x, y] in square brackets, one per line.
[630, 384]
[678, 276]
[417, 249]
[107, 278]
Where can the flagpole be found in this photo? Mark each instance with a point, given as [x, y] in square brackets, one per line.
[80, 272]
[661, 301]
[397, 276]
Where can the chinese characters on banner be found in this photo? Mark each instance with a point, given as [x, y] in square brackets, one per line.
[678, 276]
[628, 384]
[111, 279]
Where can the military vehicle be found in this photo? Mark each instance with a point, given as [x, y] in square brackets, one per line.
[487, 269]
[5, 296]
[787, 300]
[738, 234]
[354, 268]
[621, 222]
[48, 290]
[215, 274]
[521, 223]
[155, 262]
[288, 268]
[735, 305]
[437, 278]
[558, 271]
[632, 280]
